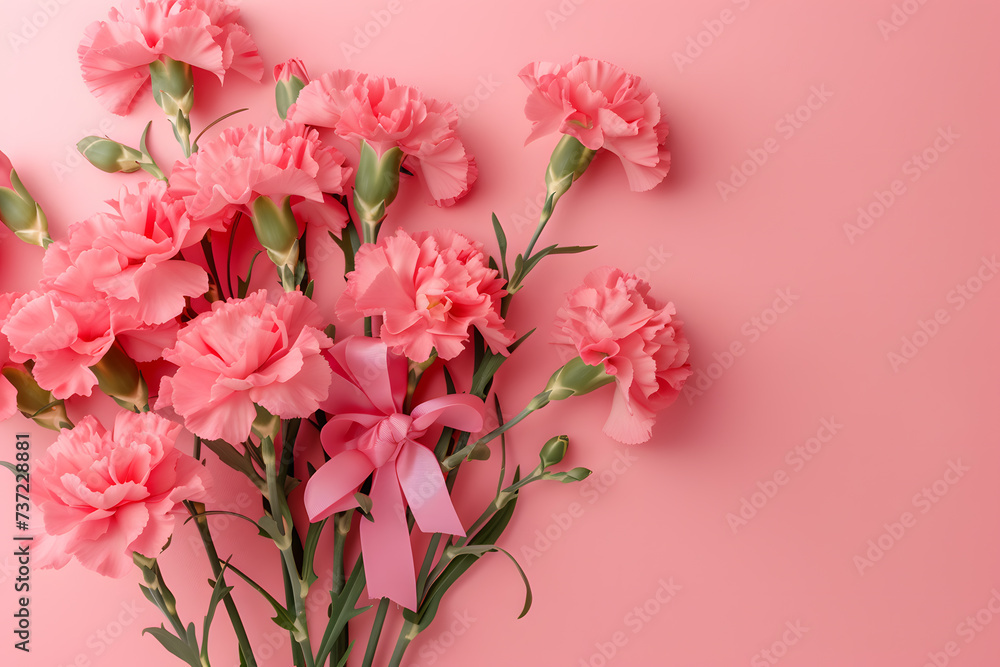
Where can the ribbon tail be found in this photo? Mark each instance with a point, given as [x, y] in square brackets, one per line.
[426, 492]
[385, 543]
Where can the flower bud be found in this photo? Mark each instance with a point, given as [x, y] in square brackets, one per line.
[18, 210]
[553, 451]
[576, 379]
[36, 403]
[119, 378]
[290, 78]
[376, 186]
[278, 234]
[110, 156]
[173, 90]
[569, 160]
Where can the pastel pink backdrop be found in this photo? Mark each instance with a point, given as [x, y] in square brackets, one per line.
[661, 508]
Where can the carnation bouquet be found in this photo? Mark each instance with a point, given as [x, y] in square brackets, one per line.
[355, 426]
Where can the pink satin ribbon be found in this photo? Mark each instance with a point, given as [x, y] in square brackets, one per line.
[368, 432]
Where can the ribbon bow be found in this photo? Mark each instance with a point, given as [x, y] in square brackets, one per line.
[369, 432]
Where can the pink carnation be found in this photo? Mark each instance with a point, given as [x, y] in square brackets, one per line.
[115, 54]
[63, 335]
[379, 111]
[282, 159]
[137, 246]
[612, 320]
[8, 394]
[105, 495]
[602, 106]
[430, 289]
[245, 352]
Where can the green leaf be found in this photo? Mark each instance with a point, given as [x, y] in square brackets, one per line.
[283, 617]
[479, 550]
[214, 512]
[194, 145]
[309, 551]
[9, 466]
[219, 592]
[175, 645]
[342, 610]
[243, 285]
[487, 535]
[567, 249]
[502, 243]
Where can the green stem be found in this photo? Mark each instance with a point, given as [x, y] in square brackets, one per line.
[342, 525]
[542, 221]
[282, 519]
[213, 558]
[376, 632]
[406, 634]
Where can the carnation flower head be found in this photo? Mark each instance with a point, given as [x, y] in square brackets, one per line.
[430, 289]
[612, 321]
[603, 107]
[362, 107]
[115, 54]
[243, 353]
[136, 245]
[278, 160]
[104, 495]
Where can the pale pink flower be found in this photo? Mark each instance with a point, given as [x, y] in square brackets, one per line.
[602, 106]
[115, 54]
[8, 394]
[612, 321]
[103, 496]
[430, 289]
[282, 159]
[385, 114]
[369, 432]
[245, 352]
[138, 243]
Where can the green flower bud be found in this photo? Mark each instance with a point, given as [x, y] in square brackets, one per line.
[569, 160]
[278, 234]
[173, 90]
[576, 379]
[291, 77]
[376, 185]
[553, 451]
[119, 378]
[36, 403]
[110, 156]
[18, 210]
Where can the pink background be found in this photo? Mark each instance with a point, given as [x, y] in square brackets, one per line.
[661, 510]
